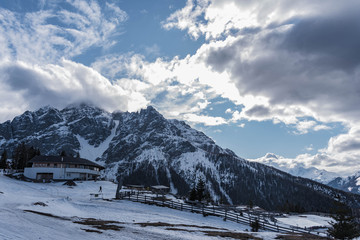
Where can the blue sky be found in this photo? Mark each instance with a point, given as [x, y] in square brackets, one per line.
[256, 76]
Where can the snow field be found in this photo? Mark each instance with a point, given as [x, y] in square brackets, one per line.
[69, 204]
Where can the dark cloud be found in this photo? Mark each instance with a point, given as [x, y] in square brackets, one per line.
[220, 58]
[333, 40]
[60, 86]
[348, 146]
[29, 82]
[257, 111]
[315, 64]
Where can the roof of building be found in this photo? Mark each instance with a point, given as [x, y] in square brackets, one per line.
[60, 159]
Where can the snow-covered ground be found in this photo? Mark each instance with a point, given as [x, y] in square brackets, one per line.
[70, 213]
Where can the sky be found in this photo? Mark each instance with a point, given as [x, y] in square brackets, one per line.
[257, 76]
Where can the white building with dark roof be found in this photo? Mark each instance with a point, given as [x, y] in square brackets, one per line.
[62, 168]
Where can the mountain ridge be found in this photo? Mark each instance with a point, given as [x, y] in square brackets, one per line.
[145, 148]
[296, 169]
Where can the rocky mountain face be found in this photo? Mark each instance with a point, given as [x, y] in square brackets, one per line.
[145, 148]
[350, 184]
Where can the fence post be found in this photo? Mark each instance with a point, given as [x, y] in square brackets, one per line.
[213, 209]
[145, 198]
[225, 214]
[202, 209]
[137, 197]
[181, 206]
[192, 208]
[237, 218]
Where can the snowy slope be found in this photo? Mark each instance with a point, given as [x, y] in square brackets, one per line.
[20, 218]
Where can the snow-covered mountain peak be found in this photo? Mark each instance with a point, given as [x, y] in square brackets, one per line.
[296, 168]
[145, 148]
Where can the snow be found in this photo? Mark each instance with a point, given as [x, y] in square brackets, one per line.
[90, 152]
[74, 204]
[305, 220]
[70, 204]
[358, 181]
[187, 163]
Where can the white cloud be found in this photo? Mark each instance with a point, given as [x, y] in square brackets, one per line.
[309, 148]
[304, 126]
[206, 120]
[229, 110]
[32, 86]
[219, 18]
[31, 37]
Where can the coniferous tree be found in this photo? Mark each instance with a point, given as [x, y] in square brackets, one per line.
[20, 157]
[63, 153]
[22, 154]
[193, 194]
[200, 189]
[3, 160]
[344, 227]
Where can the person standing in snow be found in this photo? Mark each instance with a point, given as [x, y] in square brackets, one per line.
[100, 189]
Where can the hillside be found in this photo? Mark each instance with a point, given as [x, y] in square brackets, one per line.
[44, 210]
[145, 148]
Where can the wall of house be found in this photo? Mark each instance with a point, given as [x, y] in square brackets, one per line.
[61, 173]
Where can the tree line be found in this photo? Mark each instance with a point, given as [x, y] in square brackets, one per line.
[20, 157]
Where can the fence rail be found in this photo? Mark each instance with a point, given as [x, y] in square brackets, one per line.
[228, 215]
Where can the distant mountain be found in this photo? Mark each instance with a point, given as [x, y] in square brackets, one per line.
[296, 169]
[350, 184]
[145, 148]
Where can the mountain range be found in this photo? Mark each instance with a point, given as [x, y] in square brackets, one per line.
[296, 169]
[145, 148]
[350, 183]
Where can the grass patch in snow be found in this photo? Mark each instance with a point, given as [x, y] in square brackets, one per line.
[91, 230]
[162, 224]
[40, 204]
[95, 223]
[195, 228]
[47, 214]
[299, 237]
[233, 235]
[100, 224]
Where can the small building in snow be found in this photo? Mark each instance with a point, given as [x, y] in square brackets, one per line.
[62, 168]
[160, 189]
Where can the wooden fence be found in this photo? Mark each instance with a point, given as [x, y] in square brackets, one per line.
[227, 214]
